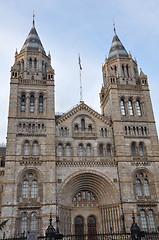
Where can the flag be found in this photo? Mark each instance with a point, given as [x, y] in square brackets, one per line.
[80, 63]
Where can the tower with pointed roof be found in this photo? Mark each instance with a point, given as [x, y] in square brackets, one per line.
[30, 153]
[125, 98]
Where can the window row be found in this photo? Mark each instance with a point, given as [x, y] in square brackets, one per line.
[83, 151]
[84, 197]
[124, 68]
[130, 107]
[63, 132]
[30, 128]
[28, 223]
[103, 132]
[32, 103]
[133, 130]
[147, 220]
[138, 149]
[82, 127]
[31, 149]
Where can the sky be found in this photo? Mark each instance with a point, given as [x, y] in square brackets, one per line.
[69, 27]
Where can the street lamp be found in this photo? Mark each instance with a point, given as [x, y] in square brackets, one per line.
[51, 232]
[136, 234]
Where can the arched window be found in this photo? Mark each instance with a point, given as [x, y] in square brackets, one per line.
[33, 222]
[133, 149]
[26, 148]
[35, 64]
[20, 128]
[91, 227]
[80, 150]
[62, 132]
[127, 70]
[108, 150]
[35, 148]
[101, 152]
[76, 128]
[43, 128]
[151, 220]
[146, 188]
[105, 132]
[25, 189]
[90, 128]
[138, 188]
[131, 113]
[32, 99]
[33, 128]
[123, 72]
[30, 63]
[24, 224]
[102, 132]
[82, 125]
[79, 227]
[142, 131]
[34, 189]
[126, 130]
[141, 149]
[122, 107]
[60, 150]
[29, 128]
[41, 104]
[134, 132]
[143, 220]
[88, 150]
[23, 103]
[68, 150]
[138, 108]
[65, 132]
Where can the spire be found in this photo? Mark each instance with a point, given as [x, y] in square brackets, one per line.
[117, 47]
[32, 43]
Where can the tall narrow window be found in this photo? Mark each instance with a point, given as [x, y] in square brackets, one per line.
[141, 150]
[126, 131]
[80, 150]
[20, 128]
[105, 132]
[34, 189]
[82, 125]
[88, 150]
[60, 150]
[25, 189]
[24, 224]
[108, 150]
[122, 107]
[32, 103]
[102, 132]
[35, 64]
[30, 63]
[41, 104]
[26, 148]
[68, 150]
[130, 108]
[90, 128]
[123, 72]
[23, 102]
[101, 153]
[76, 128]
[138, 188]
[65, 132]
[146, 188]
[151, 220]
[33, 222]
[35, 148]
[133, 149]
[143, 220]
[62, 131]
[127, 70]
[138, 108]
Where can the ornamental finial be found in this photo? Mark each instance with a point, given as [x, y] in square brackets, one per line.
[114, 26]
[33, 19]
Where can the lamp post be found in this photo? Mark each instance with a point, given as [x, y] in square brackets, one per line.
[51, 232]
[136, 234]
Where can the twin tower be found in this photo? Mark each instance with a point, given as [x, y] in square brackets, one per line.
[88, 169]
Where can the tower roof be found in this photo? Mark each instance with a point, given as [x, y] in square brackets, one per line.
[117, 48]
[32, 43]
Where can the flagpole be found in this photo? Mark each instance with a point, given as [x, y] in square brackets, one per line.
[80, 68]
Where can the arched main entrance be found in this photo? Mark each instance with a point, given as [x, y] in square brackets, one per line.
[79, 227]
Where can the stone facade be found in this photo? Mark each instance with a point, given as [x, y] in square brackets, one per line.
[89, 169]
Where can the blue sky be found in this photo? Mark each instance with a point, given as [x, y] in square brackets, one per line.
[69, 27]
